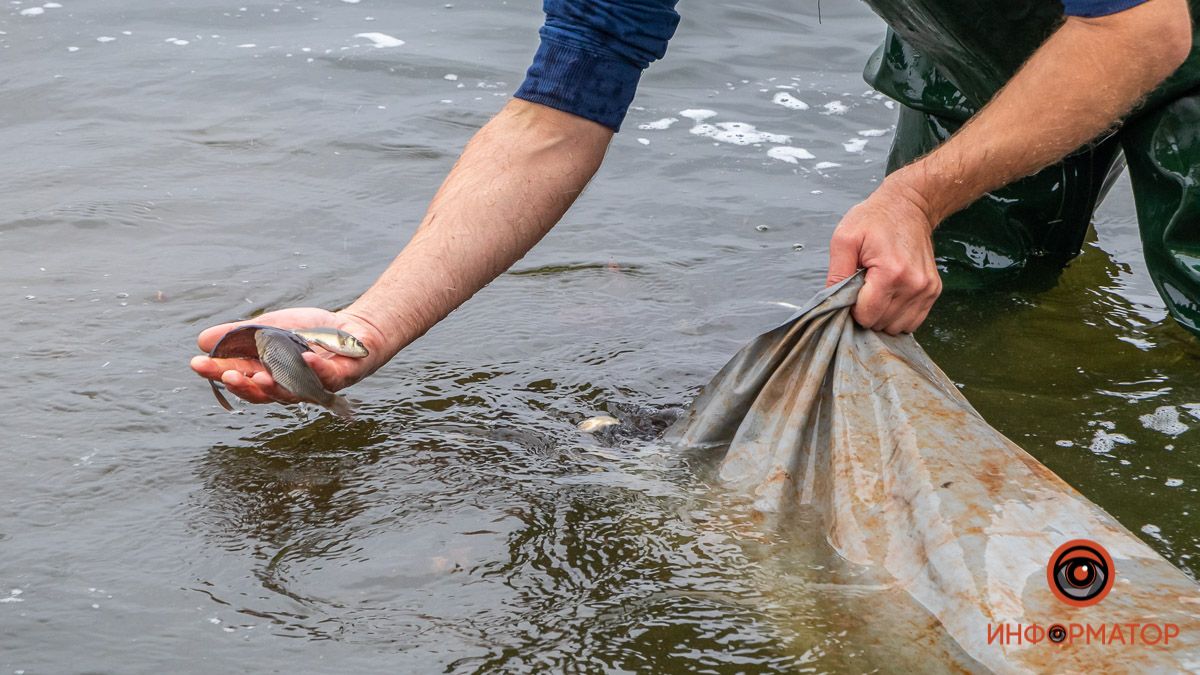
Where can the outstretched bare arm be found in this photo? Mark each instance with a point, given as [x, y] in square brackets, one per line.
[513, 182]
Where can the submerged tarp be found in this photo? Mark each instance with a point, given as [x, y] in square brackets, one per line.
[907, 479]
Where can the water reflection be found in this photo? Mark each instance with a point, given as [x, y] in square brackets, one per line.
[482, 524]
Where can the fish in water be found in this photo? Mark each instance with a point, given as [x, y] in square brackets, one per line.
[282, 354]
[594, 424]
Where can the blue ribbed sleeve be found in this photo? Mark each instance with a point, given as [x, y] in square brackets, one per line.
[1093, 8]
[593, 53]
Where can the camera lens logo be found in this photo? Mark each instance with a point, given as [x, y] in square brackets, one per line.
[1080, 573]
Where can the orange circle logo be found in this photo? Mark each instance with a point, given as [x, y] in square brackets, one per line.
[1080, 573]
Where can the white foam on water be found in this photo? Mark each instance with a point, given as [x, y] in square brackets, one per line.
[247, 45]
[1152, 530]
[644, 141]
[52, 5]
[1164, 419]
[872, 133]
[14, 595]
[1064, 444]
[737, 133]
[1192, 409]
[855, 145]
[786, 100]
[351, 2]
[786, 153]
[32, 11]
[1173, 482]
[835, 108]
[380, 40]
[819, 166]
[889, 104]
[659, 125]
[176, 41]
[72, 49]
[697, 114]
[105, 38]
[1104, 442]
[450, 76]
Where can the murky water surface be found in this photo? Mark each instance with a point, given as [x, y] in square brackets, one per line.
[169, 165]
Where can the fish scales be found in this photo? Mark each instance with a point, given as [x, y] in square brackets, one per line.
[283, 356]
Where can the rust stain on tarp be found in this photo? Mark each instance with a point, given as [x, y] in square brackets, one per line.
[909, 480]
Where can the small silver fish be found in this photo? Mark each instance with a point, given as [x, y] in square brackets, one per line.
[282, 354]
[337, 341]
[594, 424]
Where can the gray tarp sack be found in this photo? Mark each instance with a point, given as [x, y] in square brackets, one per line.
[906, 479]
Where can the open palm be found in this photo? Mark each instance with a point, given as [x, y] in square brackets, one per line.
[248, 379]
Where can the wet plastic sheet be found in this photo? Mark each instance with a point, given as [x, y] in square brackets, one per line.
[909, 481]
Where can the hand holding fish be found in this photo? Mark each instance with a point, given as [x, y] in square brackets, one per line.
[250, 380]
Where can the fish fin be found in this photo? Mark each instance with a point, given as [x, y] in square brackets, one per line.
[220, 397]
[340, 406]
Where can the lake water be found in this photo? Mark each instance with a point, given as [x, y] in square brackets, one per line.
[170, 165]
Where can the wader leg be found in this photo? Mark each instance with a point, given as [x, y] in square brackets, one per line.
[1163, 150]
[1024, 231]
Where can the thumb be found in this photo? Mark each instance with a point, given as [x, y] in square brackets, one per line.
[843, 258]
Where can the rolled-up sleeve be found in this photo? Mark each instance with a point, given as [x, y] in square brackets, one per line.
[1094, 8]
[593, 53]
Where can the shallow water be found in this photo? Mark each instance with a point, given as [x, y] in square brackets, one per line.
[211, 161]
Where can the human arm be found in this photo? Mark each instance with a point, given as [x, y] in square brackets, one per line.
[1082, 80]
[514, 180]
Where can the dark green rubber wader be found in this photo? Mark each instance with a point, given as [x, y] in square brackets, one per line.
[943, 62]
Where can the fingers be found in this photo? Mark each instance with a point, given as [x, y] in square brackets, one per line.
[843, 256]
[244, 388]
[213, 368]
[875, 300]
[896, 301]
[258, 388]
[244, 378]
[917, 312]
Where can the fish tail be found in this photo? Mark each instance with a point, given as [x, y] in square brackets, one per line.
[340, 407]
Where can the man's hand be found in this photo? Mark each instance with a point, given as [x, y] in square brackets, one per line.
[249, 380]
[1080, 82]
[889, 235]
